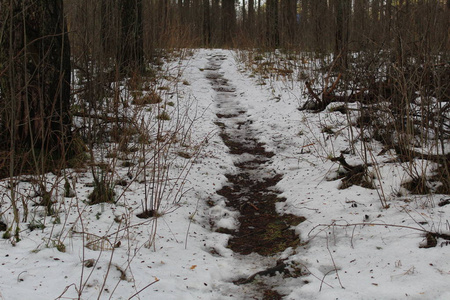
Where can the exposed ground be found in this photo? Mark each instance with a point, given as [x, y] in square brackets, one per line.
[251, 189]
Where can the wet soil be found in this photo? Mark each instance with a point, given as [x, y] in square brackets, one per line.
[251, 190]
[261, 229]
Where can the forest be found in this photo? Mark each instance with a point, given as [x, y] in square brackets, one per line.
[217, 149]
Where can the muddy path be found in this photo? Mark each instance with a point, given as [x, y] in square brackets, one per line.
[251, 190]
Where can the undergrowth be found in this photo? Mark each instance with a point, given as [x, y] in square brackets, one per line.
[131, 133]
[401, 109]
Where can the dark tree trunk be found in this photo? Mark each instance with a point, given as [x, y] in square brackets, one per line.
[320, 26]
[206, 23]
[216, 25]
[196, 19]
[289, 16]
[342, 10]
[106, 28]
[163, 17]
[228, 21]
[375, 18]
[303, 20]
[244, 14]
[387, 20]
[36, 90]
[251, 15]
[400, 36]
[360, 20]
[131, 58]
[272, 33]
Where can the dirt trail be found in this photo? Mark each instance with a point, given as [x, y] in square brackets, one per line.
[251, 190]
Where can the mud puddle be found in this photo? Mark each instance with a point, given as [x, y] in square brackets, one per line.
[251, 190]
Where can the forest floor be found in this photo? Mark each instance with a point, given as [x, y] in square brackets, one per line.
[261, 214]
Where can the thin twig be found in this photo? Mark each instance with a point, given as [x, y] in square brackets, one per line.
[334, 265]
[323, 280]
[145, 287]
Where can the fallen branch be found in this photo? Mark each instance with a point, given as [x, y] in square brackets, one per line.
[326, 91]
[354, 174]
[341, 160]
[311, 92]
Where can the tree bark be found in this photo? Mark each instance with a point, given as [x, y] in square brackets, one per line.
[288, 21]
[216, 37]
[360, 19]
[206, 23]
[132, 53]
[107, 27]
[228, 21]
[37, 91]
[342, 10]
[272, 30]
[244, 14]
[251, 15]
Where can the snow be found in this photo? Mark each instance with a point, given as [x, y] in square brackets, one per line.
[350, 248]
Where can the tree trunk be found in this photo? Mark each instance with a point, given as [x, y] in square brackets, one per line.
[272, 33]
[132, 53]
[228, 21]
[36, 93]
[251, 15]
[216, 37]
[360, 19]
[206, 23]
[342, 9]
[387, 18]
[288, 21]
[400, 36]
[107, 27]
[244, 14]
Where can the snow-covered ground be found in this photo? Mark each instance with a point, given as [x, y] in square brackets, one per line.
[352, 248]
